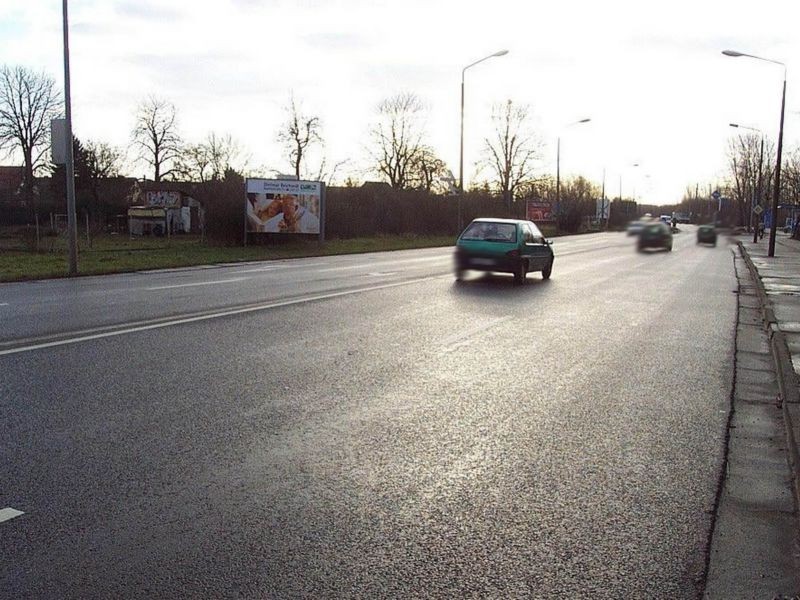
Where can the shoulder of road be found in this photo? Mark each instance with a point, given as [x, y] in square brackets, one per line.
[755, 549]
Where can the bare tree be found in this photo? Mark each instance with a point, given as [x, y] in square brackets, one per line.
[398, 138]
[749, 175]
[513, 150]
[225, 153]
[156, 135]
[790, 176]
[28, 102]
[104, 159]
[429, 173]
[298, 134]
[193, 163]
[211, 159]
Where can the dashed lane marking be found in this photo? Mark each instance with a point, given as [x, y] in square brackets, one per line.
[185, 285]
[7, 514]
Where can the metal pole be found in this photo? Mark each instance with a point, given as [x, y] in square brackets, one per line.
[461, 157]
[760, 165]
[72, 220]
[558, 174]
[603, 202]
[777, 193]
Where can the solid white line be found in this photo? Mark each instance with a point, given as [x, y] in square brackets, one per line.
[206, 317]
[3, 303]
[9, 513]
[184, 285]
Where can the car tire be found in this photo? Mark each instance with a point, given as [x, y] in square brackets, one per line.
[459, 273]
[521, 273]
[669, 248]
[548, 270]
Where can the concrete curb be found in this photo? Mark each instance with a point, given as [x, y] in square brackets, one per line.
[787, 379]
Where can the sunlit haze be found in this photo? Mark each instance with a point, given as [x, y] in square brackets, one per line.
[651, 76]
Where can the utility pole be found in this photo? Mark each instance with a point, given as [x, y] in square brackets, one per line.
[603, 202]
[72, 219]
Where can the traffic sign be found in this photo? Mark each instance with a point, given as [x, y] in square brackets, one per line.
[757, 209]
[715, 194]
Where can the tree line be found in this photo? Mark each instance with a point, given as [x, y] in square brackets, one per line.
[748, 180]
[400, 153]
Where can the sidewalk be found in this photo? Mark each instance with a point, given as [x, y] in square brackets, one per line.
[778, 280]
[755, 550]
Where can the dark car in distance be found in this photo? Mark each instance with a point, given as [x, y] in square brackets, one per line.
[707, 234]
[505, 246]
[655, 235]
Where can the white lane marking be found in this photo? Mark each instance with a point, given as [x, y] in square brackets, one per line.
[9, 513]
[184, 285]
[393, 263]
[3, 303]
[455, 341]
[261, 270]
[281, 266]
[216, 315]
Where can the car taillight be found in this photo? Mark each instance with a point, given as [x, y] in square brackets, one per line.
[513, 253]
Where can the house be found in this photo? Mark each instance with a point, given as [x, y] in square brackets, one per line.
[164, 208]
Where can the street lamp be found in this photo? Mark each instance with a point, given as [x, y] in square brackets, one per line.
[72, 221]
[760, 164]
[777, 192]
[461, 155]
[558, 159]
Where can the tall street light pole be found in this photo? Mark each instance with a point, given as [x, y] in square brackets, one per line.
[777, 191]
[461, 154]
[558, 160]
[758, 185]
[72, 221]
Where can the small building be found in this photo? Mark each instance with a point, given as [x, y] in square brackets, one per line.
[145, 220]
[164, 208]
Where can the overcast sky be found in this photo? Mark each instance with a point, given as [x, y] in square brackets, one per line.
[650, 75]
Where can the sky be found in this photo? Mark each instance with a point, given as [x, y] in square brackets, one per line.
[649, 75]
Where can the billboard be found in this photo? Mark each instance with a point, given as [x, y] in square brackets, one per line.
[538, 211]
[284, 206]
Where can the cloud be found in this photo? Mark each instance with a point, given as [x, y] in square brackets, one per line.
[146, 11]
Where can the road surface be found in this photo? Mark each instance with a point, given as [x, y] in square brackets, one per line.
[364, 426]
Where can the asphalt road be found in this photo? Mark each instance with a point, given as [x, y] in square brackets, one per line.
[364, 426]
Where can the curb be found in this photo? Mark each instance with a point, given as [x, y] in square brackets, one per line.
[787, 379]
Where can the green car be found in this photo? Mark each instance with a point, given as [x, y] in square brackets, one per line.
[505, 246]
[655, 235]
[706, 234]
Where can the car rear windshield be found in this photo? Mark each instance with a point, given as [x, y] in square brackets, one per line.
[491, 232]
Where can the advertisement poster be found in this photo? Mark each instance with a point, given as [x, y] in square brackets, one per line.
[283, 206]
[538, 211]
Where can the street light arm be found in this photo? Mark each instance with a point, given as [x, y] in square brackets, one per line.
[746, 127]
[735, 54]
[477, 62]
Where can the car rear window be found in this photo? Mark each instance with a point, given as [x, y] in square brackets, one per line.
[490, 232]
